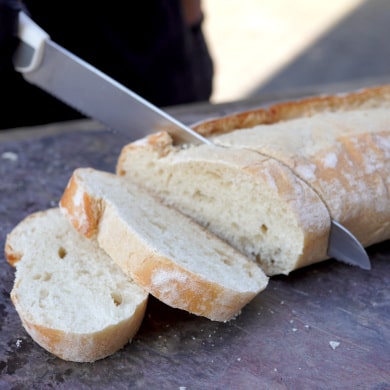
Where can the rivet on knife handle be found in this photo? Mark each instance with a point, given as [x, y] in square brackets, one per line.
[345, 247]
[33, 44]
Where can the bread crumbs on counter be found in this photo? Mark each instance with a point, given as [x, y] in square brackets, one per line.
[18, 343]
[334, 344]
[10, 156]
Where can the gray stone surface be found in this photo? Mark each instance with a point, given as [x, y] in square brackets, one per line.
[322, 327]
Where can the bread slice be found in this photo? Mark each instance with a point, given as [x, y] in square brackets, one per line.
[330, 158]
[71, 298]
[169, 255]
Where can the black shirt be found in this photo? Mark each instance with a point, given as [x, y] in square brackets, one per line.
[147, 47]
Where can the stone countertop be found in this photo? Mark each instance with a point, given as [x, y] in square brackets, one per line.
[325, 326]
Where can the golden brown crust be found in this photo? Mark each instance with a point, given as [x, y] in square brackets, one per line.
[367, 97]
[171, 283]
[11, 256]
[80, 204]
[79, 347]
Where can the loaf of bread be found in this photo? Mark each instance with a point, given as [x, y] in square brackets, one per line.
[170, 256]
[277, 176]
[71, 298]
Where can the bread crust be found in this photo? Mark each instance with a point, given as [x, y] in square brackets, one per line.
[81, 348]
[160, 275]
[364, 98]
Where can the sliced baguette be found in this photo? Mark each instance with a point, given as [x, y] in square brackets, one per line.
[251, 201]
[337, 152]
[166, 253]
[71, 298]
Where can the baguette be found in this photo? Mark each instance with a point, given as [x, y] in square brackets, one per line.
[71, 298]
[330, 157]
[166, 253]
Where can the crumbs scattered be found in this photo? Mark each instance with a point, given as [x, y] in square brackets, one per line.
[10, 156]
[334, 344]
[18, 343]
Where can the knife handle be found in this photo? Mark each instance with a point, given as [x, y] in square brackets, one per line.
[29, 52]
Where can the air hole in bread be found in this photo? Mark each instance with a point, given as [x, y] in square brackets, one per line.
[43, 294]
[264, 228]
[160, 226]
[46, 276]
[61, 252]
[223, 257]
[36, 277]
[249, 270]
[117, 298]
[227, 262]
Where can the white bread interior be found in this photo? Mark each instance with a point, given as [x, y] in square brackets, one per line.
[71, 298]
[168, 254]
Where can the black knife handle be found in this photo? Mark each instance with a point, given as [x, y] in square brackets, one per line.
[9, 11]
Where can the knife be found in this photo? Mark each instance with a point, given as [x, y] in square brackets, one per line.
[77, 83]
[80, 85]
